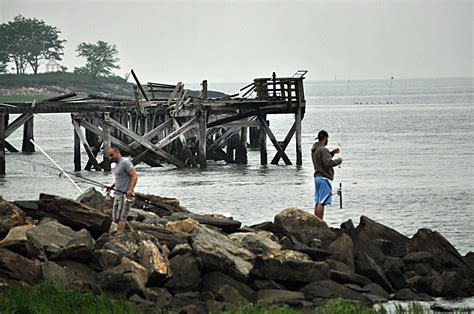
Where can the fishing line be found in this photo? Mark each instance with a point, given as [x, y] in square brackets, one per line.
[339, 191]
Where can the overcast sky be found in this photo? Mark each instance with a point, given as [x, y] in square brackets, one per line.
[235, 41]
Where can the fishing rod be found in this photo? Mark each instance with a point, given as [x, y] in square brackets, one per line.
[339, 191]
[57, 166]
[87, 180]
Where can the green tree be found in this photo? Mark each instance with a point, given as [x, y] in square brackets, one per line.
[101, 58]
[30, 42]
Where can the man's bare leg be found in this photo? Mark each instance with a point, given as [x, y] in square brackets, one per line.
[121, 227]
[319, 211]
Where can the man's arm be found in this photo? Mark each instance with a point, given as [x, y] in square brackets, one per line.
[133, 174]
[328, 161]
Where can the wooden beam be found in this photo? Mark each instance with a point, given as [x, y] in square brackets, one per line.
[107, 144]
[10, 147]
[19, 121]
[262, 139]
[176, 133]
[82, 138]
[77, 153]
[202, 131]
[272, 138]
[2, 144]
[223, 139]
[152, 148]
[186, 148]
[95, 151]
[298, 118]
[28, 134]
[153, 133]
[95, 129]
[285, 144]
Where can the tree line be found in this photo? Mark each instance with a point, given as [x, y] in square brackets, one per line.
[29, 42]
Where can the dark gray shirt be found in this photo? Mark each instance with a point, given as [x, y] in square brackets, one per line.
[122, 175]
[323, 162]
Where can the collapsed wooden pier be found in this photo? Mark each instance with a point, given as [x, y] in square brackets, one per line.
[162, 124]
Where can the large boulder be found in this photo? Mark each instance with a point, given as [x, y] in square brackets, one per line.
[303, 226]
[348, 278]
[227, 225]
[162, 206]
[230, 295]
[213, 281]
[10, 216]
[270, 297]
[168, 237]
[143, 249]
[125, 279]
[14, 266]
[186, 225]
[56, 241]
[394, 268]
[103, 259]
[16, 239]
[70, 275]
[74, 214]
[448, 284]
[445, 256]
[220, 253]
[342, 250]
[259, 242]
[327, 289]
[366, 266]
[93, 198]
[396, 243]
[291, 266]
[186, 275]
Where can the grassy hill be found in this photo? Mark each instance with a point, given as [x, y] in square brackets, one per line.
[26, 87]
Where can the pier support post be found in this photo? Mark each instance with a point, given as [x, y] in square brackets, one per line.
[298, 118]
[77, 153]
[241, 149]
[2, 144]
[28, 134]
[202, 156]
[107, 143]
[263, 144]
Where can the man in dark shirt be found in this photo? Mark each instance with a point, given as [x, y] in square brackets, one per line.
[323, 163]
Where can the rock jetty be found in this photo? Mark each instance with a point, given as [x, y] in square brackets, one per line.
[175, 260]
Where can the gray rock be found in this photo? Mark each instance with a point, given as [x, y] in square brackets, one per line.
[218, 252]
[269, 297]
[394, 269]
[303, 226]
[125, 279]
[160, 296]
[10, 216]
[213, 281]
[181, 249]
[374, 230]
[230, 295]
[376, 289]
[103, 259]
[328, 289]
[344, 277]
[342, 250]
[367, 267]
[80, 276]
[165, 236]
[14, 266]
[74, 214]
[16, 240]
[418, 257]
[259, 242]
[143, 249]
[186, 275]
[288, 265]
[93, 198]
[50, 237]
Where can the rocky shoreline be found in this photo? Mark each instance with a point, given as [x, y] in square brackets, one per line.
[188, 263]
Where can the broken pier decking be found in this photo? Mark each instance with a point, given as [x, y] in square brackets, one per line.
[163, 124]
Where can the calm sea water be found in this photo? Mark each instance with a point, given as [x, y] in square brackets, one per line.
[408, 160]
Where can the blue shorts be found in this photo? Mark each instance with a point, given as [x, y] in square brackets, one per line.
[322, 191]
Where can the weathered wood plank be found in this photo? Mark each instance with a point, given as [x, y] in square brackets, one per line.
[202, 154]
[28, 134]
[186, 148]
[86, 146]
[152, 148]
[272, 138]
[285, 144]
[2, 144]
[19, 121]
